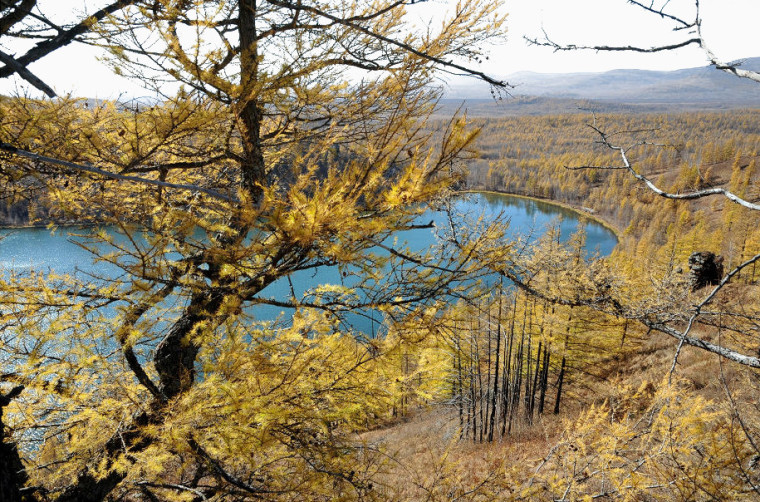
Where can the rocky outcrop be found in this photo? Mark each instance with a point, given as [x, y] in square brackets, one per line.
[705, 268]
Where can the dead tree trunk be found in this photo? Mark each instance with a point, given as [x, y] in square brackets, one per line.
[544, 380]
[534, 387]
[495, 392]
[560, 380]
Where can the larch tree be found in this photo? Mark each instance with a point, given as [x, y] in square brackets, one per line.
[292, 138]
[23, 20]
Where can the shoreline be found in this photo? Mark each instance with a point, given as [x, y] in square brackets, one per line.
[584, 214]
[48, 226]
[579, 210]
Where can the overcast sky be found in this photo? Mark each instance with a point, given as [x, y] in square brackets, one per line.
[731, 27]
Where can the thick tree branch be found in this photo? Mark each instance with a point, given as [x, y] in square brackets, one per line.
[65, 37]
[107, 174]
[24, 73]
[177, 165]
[18, 14]
[720, 350]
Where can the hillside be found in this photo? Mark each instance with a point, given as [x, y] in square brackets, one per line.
[641, 90]
[528, 155]
[641, 418]
[531, 106]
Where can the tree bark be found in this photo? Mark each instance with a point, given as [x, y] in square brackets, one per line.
[253, 169]
[12, 474]
[175, 355]
[560, 380]
[544, 380]
[495, 392]
[534, 387]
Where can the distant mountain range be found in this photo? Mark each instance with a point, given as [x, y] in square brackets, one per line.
[691, 88]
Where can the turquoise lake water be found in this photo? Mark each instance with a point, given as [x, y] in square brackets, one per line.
[42, 250]
[39, 249]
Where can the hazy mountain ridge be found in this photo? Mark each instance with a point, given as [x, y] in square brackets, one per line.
[692, 86]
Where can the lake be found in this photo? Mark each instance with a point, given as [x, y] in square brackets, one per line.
[41, 250]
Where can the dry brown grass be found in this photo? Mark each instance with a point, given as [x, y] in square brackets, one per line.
[431, 462]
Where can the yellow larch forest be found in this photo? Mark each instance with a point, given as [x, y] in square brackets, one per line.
[553, 383]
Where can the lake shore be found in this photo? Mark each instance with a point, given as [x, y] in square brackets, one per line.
[581, 211]
[576, 209]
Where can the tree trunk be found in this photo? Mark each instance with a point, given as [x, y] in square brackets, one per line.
[250, 111]
[12, 474]
[89, 489]
[495, 393]
[507, 373]
[561, 378]
[529, 362]
[473, 395]
[534, 387]
[174, 361]
[559, 386]
[544, 380]
[176, 353]
[460, 383]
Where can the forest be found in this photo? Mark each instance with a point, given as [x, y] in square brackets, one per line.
[503, 368]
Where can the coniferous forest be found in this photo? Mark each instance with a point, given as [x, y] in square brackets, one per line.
[496, 368]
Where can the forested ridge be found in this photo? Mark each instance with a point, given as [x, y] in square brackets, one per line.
[535, 156]
[503, 368]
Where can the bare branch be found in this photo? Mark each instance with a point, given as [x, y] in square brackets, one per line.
[661, 12]
[547, 42]
[697, 194]
[19, 13]
[610, 48]
[27, 75]
[725, 352]
[695, 38]
[732, 68]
